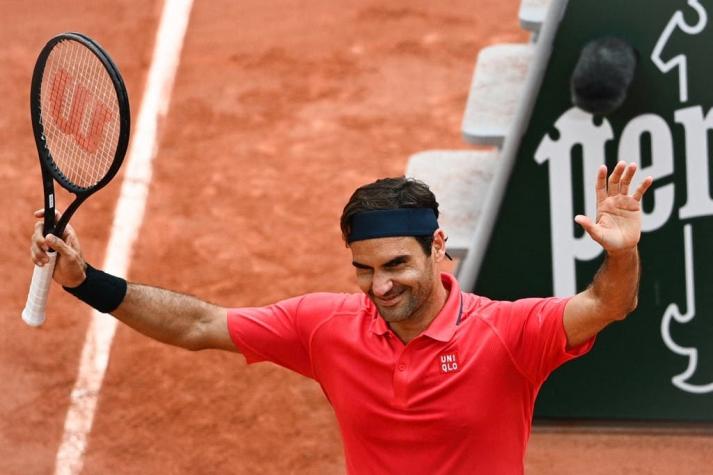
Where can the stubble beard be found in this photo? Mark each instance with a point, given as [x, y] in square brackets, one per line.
[400, 312]
[410, 303]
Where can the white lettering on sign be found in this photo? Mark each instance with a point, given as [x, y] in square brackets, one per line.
[661, 166]
[698, 198]
[678, 20]
[576, 127]
[577, 131]
[674, 313]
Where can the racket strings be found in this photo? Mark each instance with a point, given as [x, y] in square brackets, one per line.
[80, 115]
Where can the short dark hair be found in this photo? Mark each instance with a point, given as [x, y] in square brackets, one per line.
[390, 193]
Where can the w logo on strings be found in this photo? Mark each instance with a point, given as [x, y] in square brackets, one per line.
[87, 132]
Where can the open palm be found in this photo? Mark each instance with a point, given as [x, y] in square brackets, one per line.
[618, 222]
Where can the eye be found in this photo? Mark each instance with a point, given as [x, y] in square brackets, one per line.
[396, 264]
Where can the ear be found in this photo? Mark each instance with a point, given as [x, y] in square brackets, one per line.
[438, 248]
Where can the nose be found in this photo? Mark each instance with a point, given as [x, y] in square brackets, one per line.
[381, 284]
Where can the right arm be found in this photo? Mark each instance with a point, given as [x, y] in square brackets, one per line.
[166, 316]
[174, 318]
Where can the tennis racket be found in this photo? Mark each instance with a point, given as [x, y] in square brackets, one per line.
[81, 122]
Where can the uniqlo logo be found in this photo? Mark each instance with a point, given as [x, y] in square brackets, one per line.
[448, 362]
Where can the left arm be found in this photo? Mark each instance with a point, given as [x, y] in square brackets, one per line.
[613, 292]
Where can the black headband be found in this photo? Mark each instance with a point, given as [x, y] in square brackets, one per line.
[392, 223]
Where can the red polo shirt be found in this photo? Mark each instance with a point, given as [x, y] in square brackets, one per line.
[458, 399]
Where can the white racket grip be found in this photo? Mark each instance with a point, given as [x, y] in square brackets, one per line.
[34, 312]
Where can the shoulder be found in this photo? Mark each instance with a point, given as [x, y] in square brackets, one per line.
[316, 308]
[494, 311]
[302, 311]
[331, 312]
[479, 307]
[331, 303]
[297, 316]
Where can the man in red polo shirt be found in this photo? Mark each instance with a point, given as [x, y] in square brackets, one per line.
[423, 377]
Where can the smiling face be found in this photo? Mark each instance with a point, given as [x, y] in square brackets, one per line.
[398, 276]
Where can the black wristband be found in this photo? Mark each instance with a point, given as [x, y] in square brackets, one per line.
[100, 290]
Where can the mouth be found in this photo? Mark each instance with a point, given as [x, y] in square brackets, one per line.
[391, 301]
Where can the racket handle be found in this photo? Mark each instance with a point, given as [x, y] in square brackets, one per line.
[34, 312]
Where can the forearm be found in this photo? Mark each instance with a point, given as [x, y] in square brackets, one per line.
[611, 296]
[613, 293]
[169, 317]
[166, 316]
[615, 287]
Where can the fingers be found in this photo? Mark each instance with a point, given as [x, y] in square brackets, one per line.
[615, 178]
[67, 253]
[71, 268]
[70, 237]
[601, 186]
[620, 181]
[590, 227]
[629, 172]
[68, 233]
[56, 244]
[641, 190]
[41, 245]
[583, 221]
[38, 246]
[40, 213]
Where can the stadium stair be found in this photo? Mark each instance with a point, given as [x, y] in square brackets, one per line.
[532, 14]
[498, 82]
[461, 179]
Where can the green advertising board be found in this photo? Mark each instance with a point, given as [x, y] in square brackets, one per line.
[657, 365]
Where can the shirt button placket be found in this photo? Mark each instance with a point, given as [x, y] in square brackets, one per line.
[401, 379]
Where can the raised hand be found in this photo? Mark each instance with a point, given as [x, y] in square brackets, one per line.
[618, 223]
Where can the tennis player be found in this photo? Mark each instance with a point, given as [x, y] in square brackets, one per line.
[423, 377]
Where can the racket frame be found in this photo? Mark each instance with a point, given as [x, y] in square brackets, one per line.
[34, 312]
[50, 171]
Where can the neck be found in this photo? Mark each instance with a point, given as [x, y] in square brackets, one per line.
[416, 324]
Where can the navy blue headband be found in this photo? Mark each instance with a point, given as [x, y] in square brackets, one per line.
[392, 223]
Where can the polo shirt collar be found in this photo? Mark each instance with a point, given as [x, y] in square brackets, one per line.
[378, 326]
[444, 325]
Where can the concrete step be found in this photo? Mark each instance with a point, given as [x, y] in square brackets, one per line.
[532, 14]
[498, 82]
[460, 181]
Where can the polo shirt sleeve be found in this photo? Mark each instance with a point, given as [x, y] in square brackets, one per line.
[275, 333]
[533, 330]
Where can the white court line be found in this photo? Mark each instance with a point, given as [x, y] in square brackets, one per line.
[127, 221]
